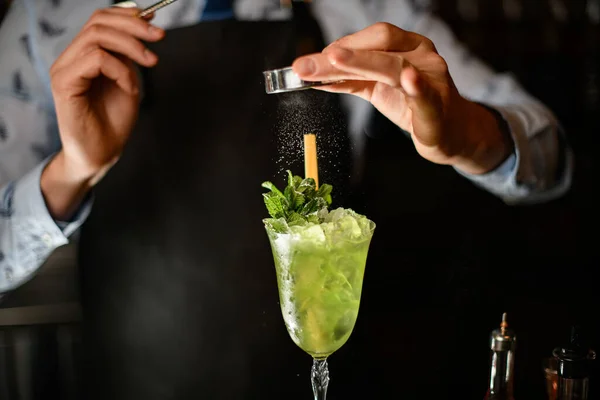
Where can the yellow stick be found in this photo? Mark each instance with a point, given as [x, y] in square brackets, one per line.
[311, 169]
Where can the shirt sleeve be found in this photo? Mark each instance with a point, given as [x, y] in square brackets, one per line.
[28, 233]
[31, 37]
[540, 168]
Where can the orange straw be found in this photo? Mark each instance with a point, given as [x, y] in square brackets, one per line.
[311, 168]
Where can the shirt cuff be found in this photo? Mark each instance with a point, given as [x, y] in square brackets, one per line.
[32, 233]
[512, 181]
[502, 174]
[31, 212]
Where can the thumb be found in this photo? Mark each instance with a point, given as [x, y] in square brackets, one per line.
[425, 104]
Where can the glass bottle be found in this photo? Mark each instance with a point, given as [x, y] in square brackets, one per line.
[503, 343]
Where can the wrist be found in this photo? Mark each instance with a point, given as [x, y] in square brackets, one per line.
[488, 140]
[75, 171]
[65, 170]
[64, 186]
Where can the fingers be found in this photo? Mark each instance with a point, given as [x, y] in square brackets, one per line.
[370, 65]
[426, 106]
[344, 64]
[124, 20]
[391, 69]
[383, 37]
[128, 11]
[361, 89]
[320, 67]
[125, 4]
[111, 39]
[132, 10]
[132, 4]
[77, 78]
[371, 75]
[117, 30]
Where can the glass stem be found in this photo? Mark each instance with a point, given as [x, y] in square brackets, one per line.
[320, 378]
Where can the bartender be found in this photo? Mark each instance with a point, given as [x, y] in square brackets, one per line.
[70, 100]
[456, 110]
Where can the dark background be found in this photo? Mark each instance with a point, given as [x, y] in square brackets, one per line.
[447, 259]
[536, 263]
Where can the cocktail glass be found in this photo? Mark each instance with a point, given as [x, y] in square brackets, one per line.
[320, 272]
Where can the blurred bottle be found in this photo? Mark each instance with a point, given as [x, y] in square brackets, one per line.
[503, 343]
[573, 367]
[551, 373]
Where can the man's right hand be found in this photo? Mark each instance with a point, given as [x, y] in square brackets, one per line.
[96, 94]
[96, 90]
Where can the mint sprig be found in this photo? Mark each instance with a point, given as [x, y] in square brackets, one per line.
[300, 200]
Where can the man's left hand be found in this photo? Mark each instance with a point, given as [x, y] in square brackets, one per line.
[404, 77]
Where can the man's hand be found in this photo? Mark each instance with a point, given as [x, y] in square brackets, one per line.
[96, 94]
[405, 78]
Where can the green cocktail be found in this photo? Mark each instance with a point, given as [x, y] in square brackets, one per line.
[320, 280]
[320, 259]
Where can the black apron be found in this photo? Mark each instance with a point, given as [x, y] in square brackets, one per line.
[179, 288]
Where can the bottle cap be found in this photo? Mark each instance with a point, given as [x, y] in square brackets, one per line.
[503, 339]
[574, 360]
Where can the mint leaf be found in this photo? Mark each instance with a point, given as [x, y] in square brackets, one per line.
[295, 219]
[299, 202]
[306, 184]
[314, 218]
[272, 188]
[308, 188]
[295, 198]
[313, 206]
[290, 196]
[325, 192]
[277, 225]
[293, 181]
[276, 205]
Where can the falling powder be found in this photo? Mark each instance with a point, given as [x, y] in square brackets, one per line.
[311, 111]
